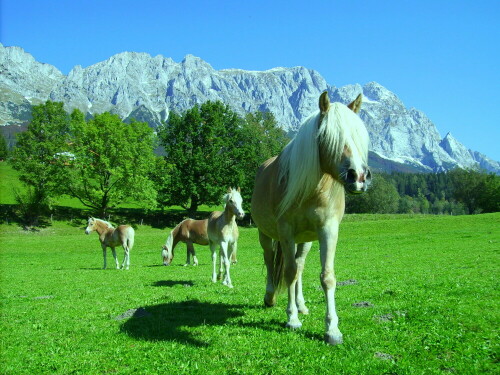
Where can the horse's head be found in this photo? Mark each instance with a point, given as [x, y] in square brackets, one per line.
[90, 225]
[167, 255]
[234, 201]
[344, 144]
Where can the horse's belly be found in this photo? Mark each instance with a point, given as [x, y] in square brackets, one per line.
[307, 236]
[201, 241]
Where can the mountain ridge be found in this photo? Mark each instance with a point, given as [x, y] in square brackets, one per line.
[135, 84]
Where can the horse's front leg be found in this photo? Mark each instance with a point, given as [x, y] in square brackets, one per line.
[328, 236]
[221, 262]
[227, 250]
[213, 249]
[190, 251]
[104, 256]
[232, 256]
[300, 257]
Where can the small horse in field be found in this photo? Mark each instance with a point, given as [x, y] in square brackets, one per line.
[190, 232]
[299, 197]
[223, 231]
[112, 237]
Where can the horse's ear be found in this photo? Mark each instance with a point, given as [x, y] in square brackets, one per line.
[355, 106]
[239, 190]
[324, 102]
[228, 189]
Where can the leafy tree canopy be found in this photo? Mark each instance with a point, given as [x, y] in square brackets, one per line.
[112, 162]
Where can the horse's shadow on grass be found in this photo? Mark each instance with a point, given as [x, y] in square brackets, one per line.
[171, 321]
[174, 322]
[171, 283]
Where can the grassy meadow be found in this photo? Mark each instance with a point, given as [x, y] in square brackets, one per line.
[416, 295]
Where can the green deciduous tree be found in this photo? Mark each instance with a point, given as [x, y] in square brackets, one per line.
[112, 162]
[382, 197]
[202, 148]
[261, 139]
[4, 150]
[40, 155]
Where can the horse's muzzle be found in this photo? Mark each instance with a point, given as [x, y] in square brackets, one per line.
[357, 183]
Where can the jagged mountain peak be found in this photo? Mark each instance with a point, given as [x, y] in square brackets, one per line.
[147, 88]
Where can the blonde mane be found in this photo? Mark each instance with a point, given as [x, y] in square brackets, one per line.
[300, 162]
[107, 223]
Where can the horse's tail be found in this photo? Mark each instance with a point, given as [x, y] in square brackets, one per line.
[130, 238]
[278, 268]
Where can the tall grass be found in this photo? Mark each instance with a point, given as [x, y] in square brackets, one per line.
[416, 295]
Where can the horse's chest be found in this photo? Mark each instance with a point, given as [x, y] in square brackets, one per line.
[229, 233]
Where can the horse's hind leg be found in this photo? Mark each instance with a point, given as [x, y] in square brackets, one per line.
[267, 244]
[300, 257]
[126, 258]
[190, 251]
[115, 257]
[290, 263]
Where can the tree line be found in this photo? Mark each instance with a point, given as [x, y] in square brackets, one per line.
[456, 192]
[104, 162]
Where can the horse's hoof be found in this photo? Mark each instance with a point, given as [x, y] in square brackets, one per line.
[303, 310]
[333, 339]
[294, 325]
[269, 299]
[269, 302]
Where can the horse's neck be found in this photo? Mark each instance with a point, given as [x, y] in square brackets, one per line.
[174, 237]
[229, 216]
[102, 228]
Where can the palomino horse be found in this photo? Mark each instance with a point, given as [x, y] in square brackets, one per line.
[299, 197]
[190, 232]
[112, 237]
[223, 231]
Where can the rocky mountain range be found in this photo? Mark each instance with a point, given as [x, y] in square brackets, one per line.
[137, 85]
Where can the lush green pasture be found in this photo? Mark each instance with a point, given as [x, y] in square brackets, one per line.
[426, 289]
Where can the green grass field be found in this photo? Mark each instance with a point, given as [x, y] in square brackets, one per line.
[428, 288]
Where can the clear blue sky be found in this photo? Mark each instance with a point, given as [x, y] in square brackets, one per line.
[439, 56]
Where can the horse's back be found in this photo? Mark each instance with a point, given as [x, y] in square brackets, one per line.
[126, 233]
[197, 231]
[264, 197]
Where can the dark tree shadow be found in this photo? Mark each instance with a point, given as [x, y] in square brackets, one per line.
[167, 322]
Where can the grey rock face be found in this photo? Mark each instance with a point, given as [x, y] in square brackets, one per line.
[137, 85]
